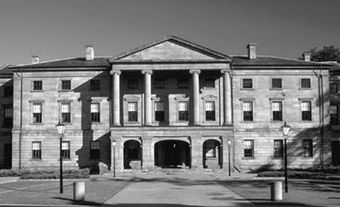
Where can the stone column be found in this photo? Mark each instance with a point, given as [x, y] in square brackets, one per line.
[196, 153]
[196, 97]
[147, 96]
[116, 97]
[227, 97]
[148, 152]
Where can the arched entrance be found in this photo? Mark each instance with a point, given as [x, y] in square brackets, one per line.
[212, 154]
[132, 155]
[172, 154]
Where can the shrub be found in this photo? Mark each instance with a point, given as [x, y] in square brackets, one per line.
[54, 174]
[10, 173]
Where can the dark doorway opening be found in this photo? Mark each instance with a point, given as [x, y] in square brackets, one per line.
[172, 154]
[212, 154]
[8, 156]
[336, 153]
[132, 155]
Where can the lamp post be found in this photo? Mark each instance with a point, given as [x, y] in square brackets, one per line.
[114, 158]
[285, 132]
[229, 159]
[61, 131]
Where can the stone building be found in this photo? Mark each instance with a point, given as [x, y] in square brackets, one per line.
[171, 103]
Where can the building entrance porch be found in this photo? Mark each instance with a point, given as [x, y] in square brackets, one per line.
[172, 154]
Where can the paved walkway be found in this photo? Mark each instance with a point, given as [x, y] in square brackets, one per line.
[176, 190]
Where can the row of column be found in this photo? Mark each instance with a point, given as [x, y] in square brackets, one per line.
[196, 98]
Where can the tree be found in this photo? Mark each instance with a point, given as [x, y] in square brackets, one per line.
[327, 53]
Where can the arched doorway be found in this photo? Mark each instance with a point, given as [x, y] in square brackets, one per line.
[132, 155]
[172, 154]
[212, 154]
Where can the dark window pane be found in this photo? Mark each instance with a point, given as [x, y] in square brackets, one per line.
[36, 150]
[65, 85]
[182, 83]
[66, 117]
[37, 85]
[248, 152]
[95, 117]
[94, 150]
[159, 115]
[209, 83]
[333, 88]
[276, 83]
[95, 85]
[183, 115]
[210, 115]
[132, 84]
[277, 115]
[159, 84]
[247, 116]
[132, 116]
[306, 115]
[8, 91]
[278, 148]
[37, 117]
[247, 83]
[305, 83]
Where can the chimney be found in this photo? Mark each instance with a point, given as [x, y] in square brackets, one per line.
[35, 59]
[89, 52]
[251, 50]
[306, 56]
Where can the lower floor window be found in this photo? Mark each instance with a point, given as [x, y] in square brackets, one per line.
[278, 148]
[248, 146]
[36, 150]
[94, 150]
[65, 150]
[308, 148]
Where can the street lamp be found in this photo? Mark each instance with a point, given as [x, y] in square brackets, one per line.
[285, 132]
[61, 131]
[114, 158]
[229, 168]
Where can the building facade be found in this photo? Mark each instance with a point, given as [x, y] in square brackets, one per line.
[171, 103]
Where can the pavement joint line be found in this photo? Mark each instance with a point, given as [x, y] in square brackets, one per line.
[23, 188]
[51, 205]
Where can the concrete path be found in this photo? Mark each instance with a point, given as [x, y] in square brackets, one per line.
[176, 192]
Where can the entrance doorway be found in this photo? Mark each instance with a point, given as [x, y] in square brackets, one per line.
[212, 154]
[335, 153]
[132, 155]
[172, 154]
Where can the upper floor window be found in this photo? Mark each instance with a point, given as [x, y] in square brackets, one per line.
[95, 85]
[66, 85]
[8, 115]
[247, 111]
[247, 83]
[94, 150]
[278, 148]
[248, 147]
[65, 150]
[334, 114]
[37, 113]
[37, 85]
[210, 111]
[276, 83]
[182, 83]
[333, 87]
[209, 83]
[159, 83]
[8, 91]
[66, 112]
[132, 111]
[36, 150]
[305, 83]
[183, 114]
[159, 111]
[308, 148]
[132, 84]
[306, 111]
[277, 110]
[95, 112]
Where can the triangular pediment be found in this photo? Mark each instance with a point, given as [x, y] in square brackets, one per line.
[171, 48]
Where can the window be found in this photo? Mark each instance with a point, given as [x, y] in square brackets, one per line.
[334, 114]
[65, 150]
[247, 83]
[132, 84]
[248, 146]
[37, 113]
[277, 110]
[209, 83]
[308, 148]
[305, 82]
[182, 83]
[278, 148]
[333, 87]
[132, 111]
[8, 91]
[95, 85]
[247, 111]
[95, 112]
[65, 85]
[36, 150]
[94, 150]
[159, 111]
[159, 84]
[37, 85]
[306, 111]
[66, 112]
[183, 114]
[210, 111]
[8, 116]
[210, 149]
[277, 83]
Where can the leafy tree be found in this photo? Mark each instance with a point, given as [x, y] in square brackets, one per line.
[327, 53]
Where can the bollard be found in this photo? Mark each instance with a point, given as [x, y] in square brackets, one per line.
[78, 191]
[276, 191]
